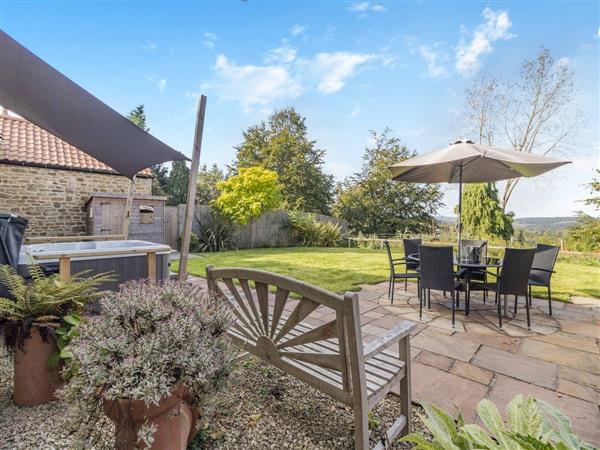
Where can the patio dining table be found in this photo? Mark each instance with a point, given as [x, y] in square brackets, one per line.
[469, 266]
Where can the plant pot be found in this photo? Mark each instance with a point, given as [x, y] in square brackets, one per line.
[173, 417]
[34, 381]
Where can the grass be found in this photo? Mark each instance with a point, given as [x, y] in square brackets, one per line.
[344, 269]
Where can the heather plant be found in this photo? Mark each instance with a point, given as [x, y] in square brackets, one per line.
[149, 340]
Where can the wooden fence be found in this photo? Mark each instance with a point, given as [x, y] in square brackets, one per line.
[269, 230]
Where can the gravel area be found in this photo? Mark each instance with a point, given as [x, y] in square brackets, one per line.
[266, 409]
[262, 409]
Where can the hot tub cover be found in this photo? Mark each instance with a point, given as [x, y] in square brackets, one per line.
[44, 96]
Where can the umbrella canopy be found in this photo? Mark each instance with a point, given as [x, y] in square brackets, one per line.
[42, 95]
[479, 164]
[467, 162]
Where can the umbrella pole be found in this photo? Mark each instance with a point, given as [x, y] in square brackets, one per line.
[460, 173]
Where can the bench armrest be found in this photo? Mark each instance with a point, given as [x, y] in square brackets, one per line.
[397, 333]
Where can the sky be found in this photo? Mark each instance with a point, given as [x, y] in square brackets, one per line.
[348, 67]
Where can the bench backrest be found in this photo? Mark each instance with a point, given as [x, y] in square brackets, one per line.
[275, 323]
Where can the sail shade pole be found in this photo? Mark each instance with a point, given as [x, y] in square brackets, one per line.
[191, 197]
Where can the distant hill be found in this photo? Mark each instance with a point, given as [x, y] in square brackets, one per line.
[533, 223]
[545, 223]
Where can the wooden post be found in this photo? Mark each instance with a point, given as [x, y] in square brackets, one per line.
[152, 266]
[127, 214]
[64, 268]
[191, 198]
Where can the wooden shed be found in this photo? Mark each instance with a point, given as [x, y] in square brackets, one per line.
[105, 216]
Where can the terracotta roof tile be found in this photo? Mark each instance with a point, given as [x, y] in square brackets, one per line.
[25, 143]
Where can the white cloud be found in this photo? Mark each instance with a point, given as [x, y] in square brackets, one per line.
[363, 7]
[283, 54]
[598, 35]
[355, 111]
[432, 58]
[149, 46]
[297, 29]
[495, 27]
[209, 40]
[284, 75]
[253, 85]
[333, 69]
[160, 83]
[339, 169]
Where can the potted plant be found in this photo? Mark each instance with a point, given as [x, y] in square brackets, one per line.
[150, 362]
[37, 321]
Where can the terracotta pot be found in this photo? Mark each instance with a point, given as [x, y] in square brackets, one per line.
[175, 420]
[34, 381]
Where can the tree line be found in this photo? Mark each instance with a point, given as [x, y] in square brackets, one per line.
[278, 165]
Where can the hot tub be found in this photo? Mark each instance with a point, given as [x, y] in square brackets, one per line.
[129, 260]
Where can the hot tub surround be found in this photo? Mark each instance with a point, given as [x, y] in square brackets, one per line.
[127, 259]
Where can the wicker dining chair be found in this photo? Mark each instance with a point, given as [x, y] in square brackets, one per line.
[436, 272]
[513, 278]
[406, 275]
[542, 270]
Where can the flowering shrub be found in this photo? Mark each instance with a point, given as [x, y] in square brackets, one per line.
[148, 340]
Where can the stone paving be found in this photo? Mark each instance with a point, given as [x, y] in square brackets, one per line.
[558, 360]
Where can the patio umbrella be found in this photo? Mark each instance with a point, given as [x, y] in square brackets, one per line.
[467, 162]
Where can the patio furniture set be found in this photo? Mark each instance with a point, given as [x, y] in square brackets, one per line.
[437, 268]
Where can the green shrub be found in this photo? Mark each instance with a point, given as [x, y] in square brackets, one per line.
[249, 194]
[215, 234]
[532, 425]
[311, 233]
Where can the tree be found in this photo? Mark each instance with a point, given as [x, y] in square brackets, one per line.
[535, 114]
[249, 194]
[482, 214]
[138, 116]
[595, 191]
[207, 188]
[282, 145]
[372, 203]
[177, 183]
[585, 234]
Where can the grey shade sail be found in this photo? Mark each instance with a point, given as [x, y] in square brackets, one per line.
[42, 95]
[479, 163]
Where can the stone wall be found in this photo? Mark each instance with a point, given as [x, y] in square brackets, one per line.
[54, 199]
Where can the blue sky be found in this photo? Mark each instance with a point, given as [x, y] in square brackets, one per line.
[349, 67]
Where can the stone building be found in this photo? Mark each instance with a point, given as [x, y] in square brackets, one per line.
[49, 181]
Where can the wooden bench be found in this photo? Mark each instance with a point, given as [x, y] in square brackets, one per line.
[328, 356]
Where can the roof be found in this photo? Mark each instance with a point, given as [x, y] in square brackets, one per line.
[25, 143]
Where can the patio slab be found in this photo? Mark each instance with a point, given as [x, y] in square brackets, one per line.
[471, 372]
[445, 345]
[558, 354]
[449, 391]
[521, 367]
[585, 416]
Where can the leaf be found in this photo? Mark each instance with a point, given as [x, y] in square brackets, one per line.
[73, 319]
[529, 442]
[53, 360]
[525, 417]
[255, 417]
[493, 421]
[420, 441]
[478, 436]
[561, 425]
[66, 354]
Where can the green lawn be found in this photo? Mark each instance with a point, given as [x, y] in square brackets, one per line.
[344, 269]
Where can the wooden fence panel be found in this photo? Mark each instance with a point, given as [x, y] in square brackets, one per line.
[171, 226]
[269, 230]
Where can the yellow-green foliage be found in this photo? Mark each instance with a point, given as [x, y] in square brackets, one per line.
[247, 195]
